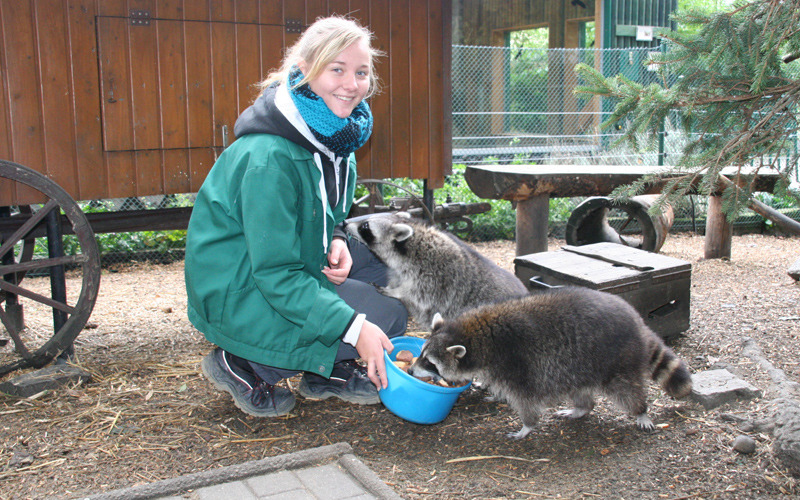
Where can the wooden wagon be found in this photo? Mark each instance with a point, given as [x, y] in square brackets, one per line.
[103, 99]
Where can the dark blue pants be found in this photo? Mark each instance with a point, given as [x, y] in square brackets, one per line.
[359, 291]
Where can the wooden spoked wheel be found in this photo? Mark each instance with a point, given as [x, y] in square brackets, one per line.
[43, 314]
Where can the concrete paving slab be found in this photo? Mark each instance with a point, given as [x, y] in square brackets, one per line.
[325, 473]
[713, 388]
[50, 377]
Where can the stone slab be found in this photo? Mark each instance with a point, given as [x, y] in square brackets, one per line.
[794, 270]
[329, 472]
[48, 378]
[713, 388]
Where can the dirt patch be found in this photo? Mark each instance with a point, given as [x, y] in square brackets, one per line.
[148, 414]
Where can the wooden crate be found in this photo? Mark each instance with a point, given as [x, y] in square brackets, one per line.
[656, 285]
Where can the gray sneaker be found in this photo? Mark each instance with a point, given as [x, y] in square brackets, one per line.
[348, 382]
[250, 394]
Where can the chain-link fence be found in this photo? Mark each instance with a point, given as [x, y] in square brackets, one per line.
[160, 247]
[510, 105]
[518, 106]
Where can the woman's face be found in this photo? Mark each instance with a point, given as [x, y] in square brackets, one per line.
[344, 82]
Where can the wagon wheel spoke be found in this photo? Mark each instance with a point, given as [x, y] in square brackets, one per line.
[43, 315]
[26, 227]
[42, 263]
[28, 245]
[13, 332]
[18, 290]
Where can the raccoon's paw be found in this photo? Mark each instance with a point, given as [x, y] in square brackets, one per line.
[520, 434]
[644, 423]
[573, 413]
[479, 384]
[389, 292]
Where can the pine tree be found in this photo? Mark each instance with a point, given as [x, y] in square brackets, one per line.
[735, 85]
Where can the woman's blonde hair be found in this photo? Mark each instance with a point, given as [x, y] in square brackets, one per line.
[321, 42]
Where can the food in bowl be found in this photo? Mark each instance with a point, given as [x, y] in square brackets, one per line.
[410, 398]
[405, 365]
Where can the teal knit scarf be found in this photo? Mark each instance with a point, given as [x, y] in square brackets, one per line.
[340, 135]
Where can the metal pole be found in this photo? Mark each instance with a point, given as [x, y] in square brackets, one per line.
[427, 198]
[58, 281]
[13, 307]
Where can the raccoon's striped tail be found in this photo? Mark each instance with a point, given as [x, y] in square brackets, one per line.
[669, 371]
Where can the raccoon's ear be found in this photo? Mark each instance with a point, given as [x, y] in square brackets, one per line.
[437, 322]
[457, 350]
[402, 232]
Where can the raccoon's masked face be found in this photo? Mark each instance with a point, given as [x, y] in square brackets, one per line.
[440, 356]
[380, 232]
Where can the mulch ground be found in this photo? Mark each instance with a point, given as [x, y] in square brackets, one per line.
[148, 414]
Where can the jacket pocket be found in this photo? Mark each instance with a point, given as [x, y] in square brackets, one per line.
[309, 211]
[241, 309]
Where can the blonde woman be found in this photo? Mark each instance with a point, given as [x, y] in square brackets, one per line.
[271, 278]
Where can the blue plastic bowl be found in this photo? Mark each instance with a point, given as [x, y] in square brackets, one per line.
[410, 398]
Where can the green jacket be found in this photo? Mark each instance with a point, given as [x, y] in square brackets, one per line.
[255, 248]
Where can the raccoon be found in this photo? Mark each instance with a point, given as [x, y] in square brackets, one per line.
[431, 270]
[568, 342]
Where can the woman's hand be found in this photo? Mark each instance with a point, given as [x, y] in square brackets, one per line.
[371, 343]
[339, 261]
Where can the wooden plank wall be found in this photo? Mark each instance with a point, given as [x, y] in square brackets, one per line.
[111, 109]
[483, 20]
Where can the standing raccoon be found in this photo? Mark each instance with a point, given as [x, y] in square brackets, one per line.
[432, 271]
[569, 342]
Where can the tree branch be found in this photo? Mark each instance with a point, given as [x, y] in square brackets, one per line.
[786, 223]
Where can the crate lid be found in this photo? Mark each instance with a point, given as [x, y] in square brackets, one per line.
[603, 265]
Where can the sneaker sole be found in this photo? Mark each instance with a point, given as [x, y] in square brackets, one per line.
[210, 369]
[307, 394]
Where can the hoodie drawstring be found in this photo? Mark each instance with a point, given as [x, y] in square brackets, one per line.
[346, 178]
[323, 194]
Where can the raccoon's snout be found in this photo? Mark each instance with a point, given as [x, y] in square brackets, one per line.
[365, 233]
[428, 370]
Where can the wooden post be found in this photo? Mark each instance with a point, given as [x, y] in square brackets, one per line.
[532, 218]
[719, 233]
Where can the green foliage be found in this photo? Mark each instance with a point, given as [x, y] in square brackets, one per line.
[132, 242]
[127, 242]
[535, 38]
[734, 81]
[527, 73]
[703, 7]
[498, 223]
[779, 201]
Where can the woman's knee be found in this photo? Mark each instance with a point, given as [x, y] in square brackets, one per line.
[399, 315]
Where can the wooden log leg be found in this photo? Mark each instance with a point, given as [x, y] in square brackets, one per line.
[719, 233]
[532, 222]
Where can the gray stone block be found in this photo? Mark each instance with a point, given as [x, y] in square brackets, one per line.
[301, 494]
[713, 388]
[329, 482]
[48, 378]
[794, 270]
[272, 484]
[787, 435]
[234, 489]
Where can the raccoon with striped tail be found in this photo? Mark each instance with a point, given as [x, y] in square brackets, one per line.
[563, 343]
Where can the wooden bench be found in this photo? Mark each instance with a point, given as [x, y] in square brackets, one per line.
[532, 186]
